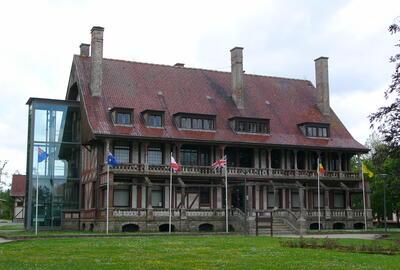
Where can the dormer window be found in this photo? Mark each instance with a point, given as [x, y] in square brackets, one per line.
[121, 116]
[248, 125]
[198, 122]
[315, 130]
[154, 119]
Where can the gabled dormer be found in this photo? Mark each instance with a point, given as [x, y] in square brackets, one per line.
[315, 130]
[245, 125]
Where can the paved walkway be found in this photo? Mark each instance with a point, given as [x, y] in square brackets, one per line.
[366, 236]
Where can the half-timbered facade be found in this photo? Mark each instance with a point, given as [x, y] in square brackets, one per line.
[272, 131]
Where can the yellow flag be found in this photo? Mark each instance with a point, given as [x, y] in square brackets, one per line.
[366, 170]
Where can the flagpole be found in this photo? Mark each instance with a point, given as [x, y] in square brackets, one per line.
[170, 196]
[226, 196]
[37, 199]
[108, 187]
[319, 199]
[363, 189]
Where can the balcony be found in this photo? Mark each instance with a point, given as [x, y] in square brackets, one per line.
[233, 172]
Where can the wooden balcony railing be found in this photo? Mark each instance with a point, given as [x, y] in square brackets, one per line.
[186, 170]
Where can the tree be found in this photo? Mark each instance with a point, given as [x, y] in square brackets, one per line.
[382, 161]
[3, 164]
[388, 117]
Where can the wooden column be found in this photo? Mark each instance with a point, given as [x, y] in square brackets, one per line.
[269, 162]
[347, 199]
[250, 198]
[257, 199]
[276, 198]
[265, 198]
[282, 159]
[183, 194]
[149, 193]
[219, 197]
[326, 198]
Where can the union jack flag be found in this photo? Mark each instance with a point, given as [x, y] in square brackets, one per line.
[221, 163]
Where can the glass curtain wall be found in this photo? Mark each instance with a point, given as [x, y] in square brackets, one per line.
[54, 128]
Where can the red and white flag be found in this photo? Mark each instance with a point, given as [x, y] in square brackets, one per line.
[221, 163]
[174, 165]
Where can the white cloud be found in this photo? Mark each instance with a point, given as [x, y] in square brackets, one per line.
[281, 38]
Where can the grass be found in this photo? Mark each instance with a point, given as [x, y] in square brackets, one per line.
[11, 227]
[182, 252]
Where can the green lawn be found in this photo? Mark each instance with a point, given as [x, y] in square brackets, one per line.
[181, 252]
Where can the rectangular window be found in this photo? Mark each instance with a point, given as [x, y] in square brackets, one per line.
[197, 123]
[154, 120]
[270, 198]
[154, 154]
[123, 118]
[241, 126]
[204, 196]
[315, 131]
[252, 127]
[121, 153]
[295, 200]
[188, 156]
[321, 201]
[262, 128]
[338, 200]
[186, 122]
[157, 197]
[208, 124]
[121, 197]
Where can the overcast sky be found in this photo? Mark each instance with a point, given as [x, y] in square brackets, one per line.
[280, 38]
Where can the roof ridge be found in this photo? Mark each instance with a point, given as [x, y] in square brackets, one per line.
[203, 69]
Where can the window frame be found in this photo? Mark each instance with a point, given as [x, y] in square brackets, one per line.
[252, 126]
[124, 189]
[153, 114]
[196, 122]
[203, 190]
[151, 148]
[313, 130]
[121, 147]
[117, 111]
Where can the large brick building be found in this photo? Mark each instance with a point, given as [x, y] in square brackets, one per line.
[271, 129]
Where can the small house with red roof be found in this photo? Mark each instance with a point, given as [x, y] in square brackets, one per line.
[18, 194]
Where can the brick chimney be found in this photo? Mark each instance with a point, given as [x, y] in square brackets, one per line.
[322, 84]
[96, 72]
[237, 76]
[84, 49]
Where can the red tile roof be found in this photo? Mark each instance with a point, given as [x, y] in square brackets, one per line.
[142, 86]
[18, 185]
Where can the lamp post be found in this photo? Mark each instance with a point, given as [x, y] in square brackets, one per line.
[384, 176]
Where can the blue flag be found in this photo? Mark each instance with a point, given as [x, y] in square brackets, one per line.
[111, 160]
[42, 155]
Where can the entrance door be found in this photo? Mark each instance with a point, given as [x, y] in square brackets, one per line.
[237, 198]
